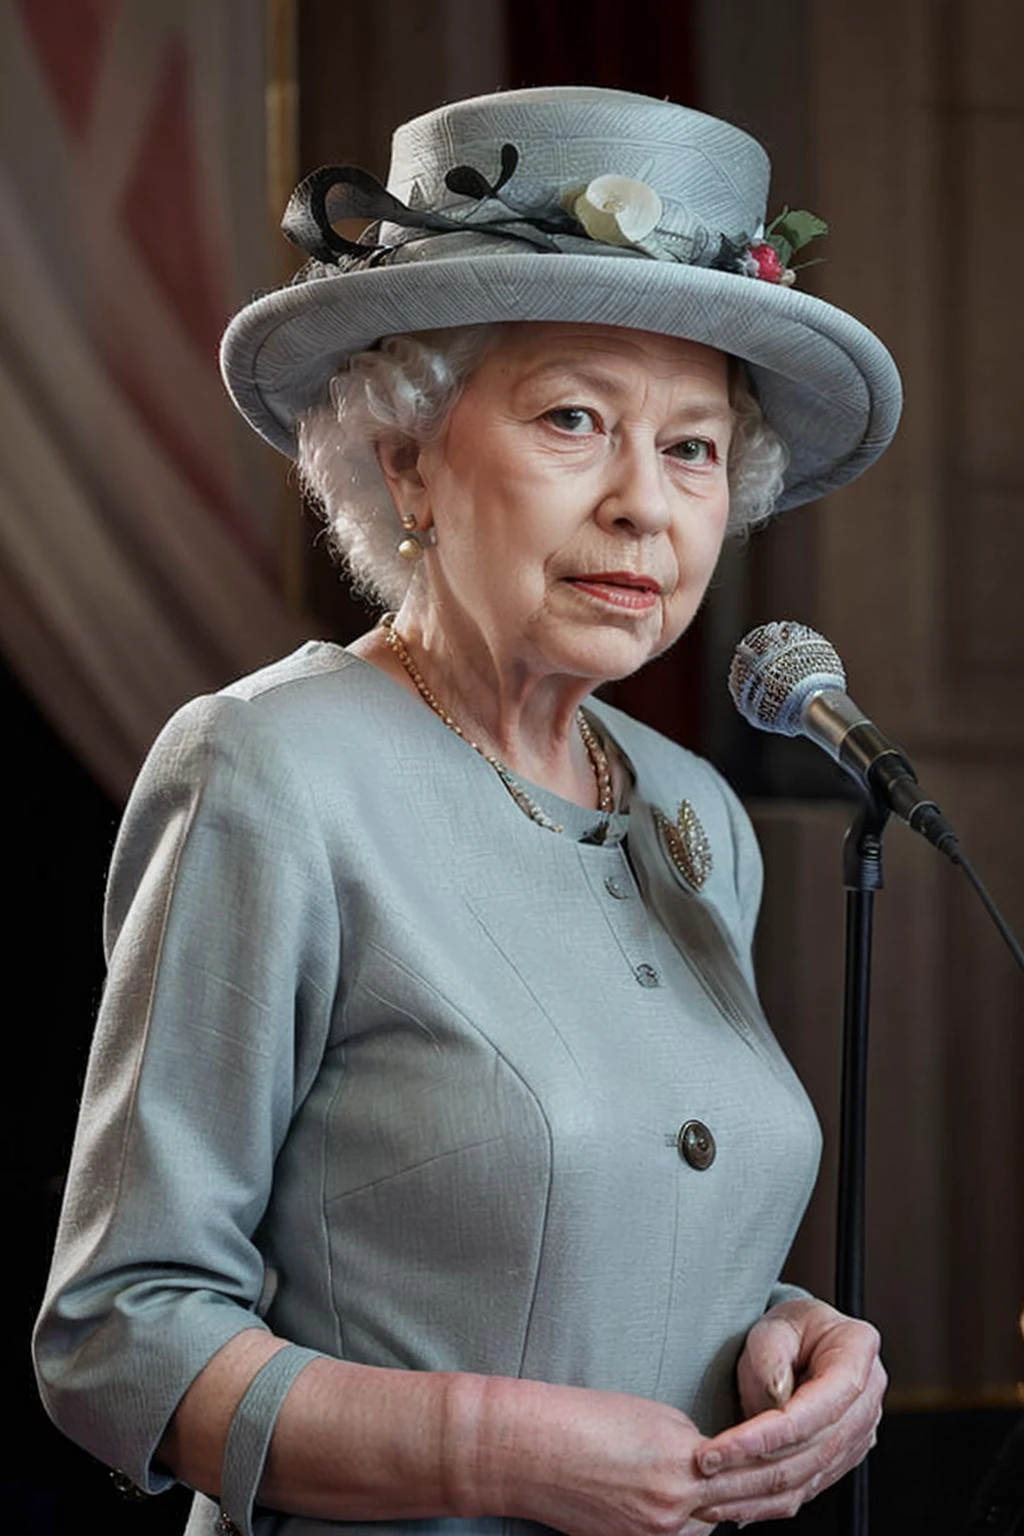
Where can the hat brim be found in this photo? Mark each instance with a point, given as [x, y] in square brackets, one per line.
[825, 382]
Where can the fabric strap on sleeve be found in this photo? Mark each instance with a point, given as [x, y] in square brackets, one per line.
[245, 1451]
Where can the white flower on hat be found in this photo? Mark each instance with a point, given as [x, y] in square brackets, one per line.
[618, 210]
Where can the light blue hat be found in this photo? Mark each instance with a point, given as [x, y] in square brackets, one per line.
[568, 204]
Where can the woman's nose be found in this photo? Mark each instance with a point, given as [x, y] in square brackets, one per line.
[636, 496]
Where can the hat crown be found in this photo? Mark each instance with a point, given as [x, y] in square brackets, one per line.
[707, 173]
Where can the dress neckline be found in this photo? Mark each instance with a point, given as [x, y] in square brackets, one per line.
[581, 823]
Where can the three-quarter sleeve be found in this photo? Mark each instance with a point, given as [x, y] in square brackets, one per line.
[223, 948]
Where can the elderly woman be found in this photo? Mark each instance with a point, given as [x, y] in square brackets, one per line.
[437, 1165]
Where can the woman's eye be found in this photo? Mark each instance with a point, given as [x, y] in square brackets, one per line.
[572, 418]
[695, 450]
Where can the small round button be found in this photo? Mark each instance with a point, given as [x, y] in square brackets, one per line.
[696, 1145]
[615, 887]
[647, 976]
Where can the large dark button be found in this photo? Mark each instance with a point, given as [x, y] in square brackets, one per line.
[696, 1145]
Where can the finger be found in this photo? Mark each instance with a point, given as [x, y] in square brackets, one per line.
[776, 1506]
[767, 1365]
[791, 1485]
[779, 1436]
[782, 1508]
[822, 1403]
[803, 1473]
[816, 1405]
[764, 1388]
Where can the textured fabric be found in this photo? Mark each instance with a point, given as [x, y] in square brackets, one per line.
[826, 383]
[377, 1064]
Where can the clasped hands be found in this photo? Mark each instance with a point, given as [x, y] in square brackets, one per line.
[641, 1468]
[825, 1371]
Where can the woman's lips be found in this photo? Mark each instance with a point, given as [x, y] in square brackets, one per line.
[619, 589]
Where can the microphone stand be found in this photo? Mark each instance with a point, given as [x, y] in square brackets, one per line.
[862, 877]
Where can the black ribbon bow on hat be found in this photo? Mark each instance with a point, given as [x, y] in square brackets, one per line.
[336, 192]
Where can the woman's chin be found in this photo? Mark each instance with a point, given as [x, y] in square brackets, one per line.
[606, 654]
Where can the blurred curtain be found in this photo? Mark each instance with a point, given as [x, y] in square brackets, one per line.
[138, 561]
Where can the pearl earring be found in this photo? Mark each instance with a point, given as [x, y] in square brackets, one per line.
[412, 546]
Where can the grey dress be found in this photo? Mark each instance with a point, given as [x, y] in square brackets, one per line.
[385, 1063]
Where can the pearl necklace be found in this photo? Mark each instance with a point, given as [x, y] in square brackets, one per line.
[525, 801]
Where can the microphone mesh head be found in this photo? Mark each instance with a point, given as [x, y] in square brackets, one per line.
[776, 669]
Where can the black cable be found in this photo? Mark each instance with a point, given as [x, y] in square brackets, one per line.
[959, 857]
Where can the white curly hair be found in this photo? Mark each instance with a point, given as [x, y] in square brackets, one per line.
[405, 387]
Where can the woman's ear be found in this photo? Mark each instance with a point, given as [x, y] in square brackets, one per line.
[399, 460]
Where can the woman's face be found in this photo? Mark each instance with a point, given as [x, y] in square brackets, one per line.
[579, 497]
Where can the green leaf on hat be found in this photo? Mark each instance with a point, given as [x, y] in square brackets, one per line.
[797, 227]
[783, 248]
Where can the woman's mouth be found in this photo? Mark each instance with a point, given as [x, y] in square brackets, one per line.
[620, 589]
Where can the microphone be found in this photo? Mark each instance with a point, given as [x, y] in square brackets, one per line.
[788, 679]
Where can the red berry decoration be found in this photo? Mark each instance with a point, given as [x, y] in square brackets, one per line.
[769, 257]
[766, 259]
